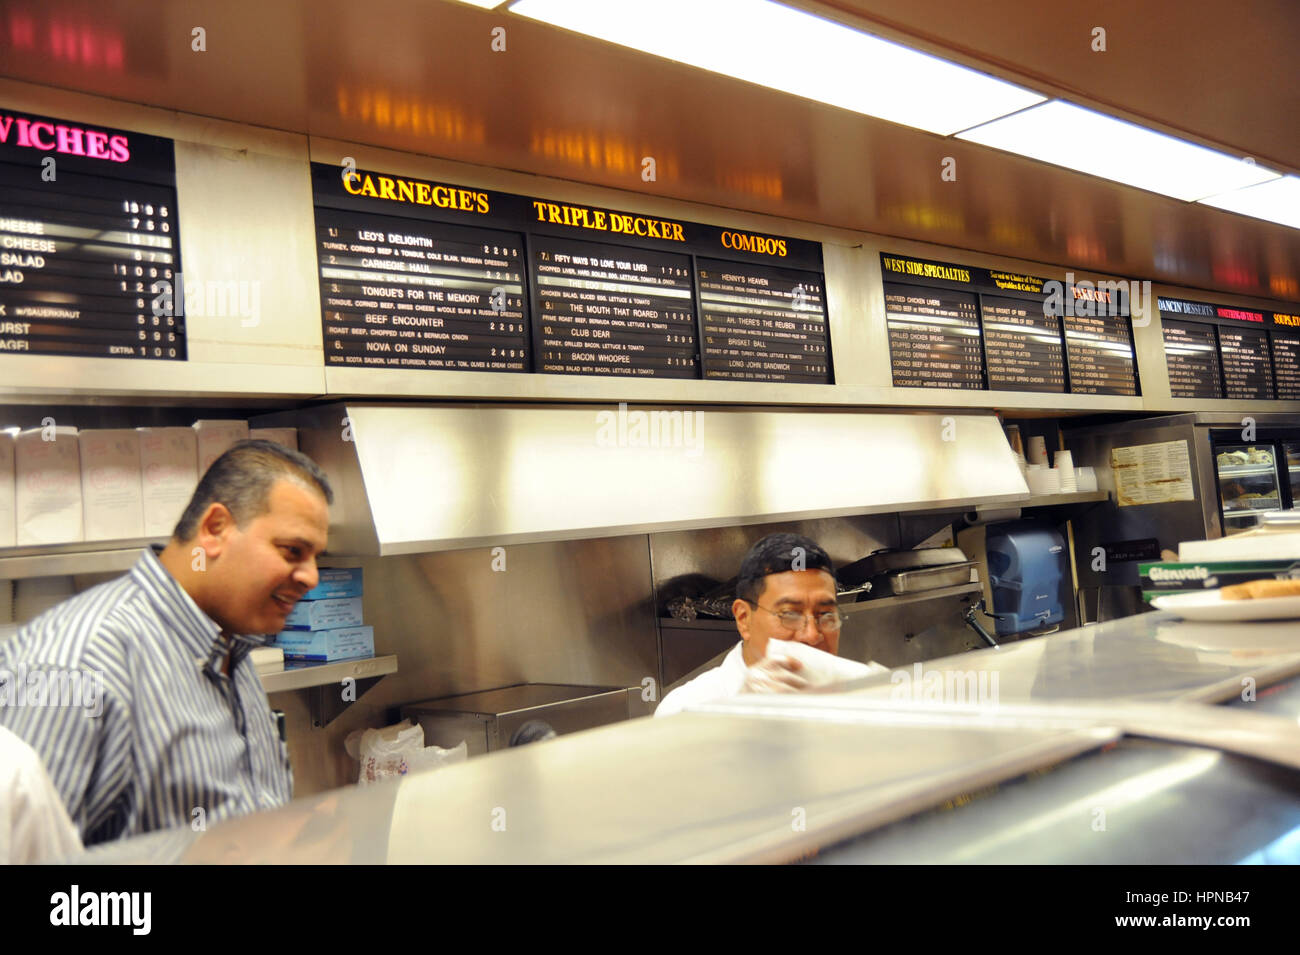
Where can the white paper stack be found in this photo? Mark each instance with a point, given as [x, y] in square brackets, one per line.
[8, 527]
[112, 503]
[285, 436]
[169, 461]
[215, 436]
[47, 486]
[267, 659]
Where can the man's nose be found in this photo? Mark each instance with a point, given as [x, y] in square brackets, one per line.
[808, 632]
[307, 574]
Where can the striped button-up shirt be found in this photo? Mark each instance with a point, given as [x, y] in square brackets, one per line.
[172, 740]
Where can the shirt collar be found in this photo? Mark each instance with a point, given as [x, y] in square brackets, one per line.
[199, 633]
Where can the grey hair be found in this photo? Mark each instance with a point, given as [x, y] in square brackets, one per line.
[242, 478]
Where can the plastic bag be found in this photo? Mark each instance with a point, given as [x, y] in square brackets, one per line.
[396, 751]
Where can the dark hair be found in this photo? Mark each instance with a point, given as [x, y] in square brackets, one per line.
[242, 478]
[776, 554]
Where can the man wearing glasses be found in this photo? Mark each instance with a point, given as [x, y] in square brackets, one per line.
[789, 628]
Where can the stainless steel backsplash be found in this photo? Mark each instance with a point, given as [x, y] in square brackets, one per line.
[580, 612]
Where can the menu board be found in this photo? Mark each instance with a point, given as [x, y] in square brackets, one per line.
[1099, 349]
[89, 245]
[1022, 345]
[762, 323]
[934, 338]
[1192, 355]
[401, 293]
[421, 274]
[1247, 371]
[613, 310]
[1286, 366]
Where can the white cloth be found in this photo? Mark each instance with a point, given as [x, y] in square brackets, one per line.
[34, 826]
[728, 678]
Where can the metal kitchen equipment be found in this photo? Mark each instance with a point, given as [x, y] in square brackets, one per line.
[489, 720]
[898, 572]
[1128, 533]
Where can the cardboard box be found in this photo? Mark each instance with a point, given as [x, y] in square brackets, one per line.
[285, 436]
[215, 437]
[327, 645]
[336, 582]
[8, 526]
[332, 614]
[47, 486]
[111, 495]
[169, 472]
[1162, 578]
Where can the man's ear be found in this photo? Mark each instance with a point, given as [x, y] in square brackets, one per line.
[740, 609]
[214, 529]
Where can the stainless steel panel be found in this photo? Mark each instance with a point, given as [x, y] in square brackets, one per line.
[692, 788]
[1148, 657]
[1141, 803]
[577, 613]
[421, 478]
[488, 720]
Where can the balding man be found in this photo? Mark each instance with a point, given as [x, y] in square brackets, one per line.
[182, 730]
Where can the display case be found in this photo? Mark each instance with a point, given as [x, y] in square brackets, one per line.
[1248, 482]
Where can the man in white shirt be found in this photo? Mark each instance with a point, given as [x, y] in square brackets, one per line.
[34, 826]
[789, 628]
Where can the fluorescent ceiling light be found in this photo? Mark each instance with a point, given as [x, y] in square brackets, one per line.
[785, 49]
[1067, 135]
[1277, 201]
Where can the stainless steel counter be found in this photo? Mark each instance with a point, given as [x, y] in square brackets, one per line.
[761, 785]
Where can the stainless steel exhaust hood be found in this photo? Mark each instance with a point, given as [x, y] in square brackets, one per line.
[416, 478]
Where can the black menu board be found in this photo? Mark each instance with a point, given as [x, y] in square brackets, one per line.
[1022, 345]
[1099, 349]
[934, 337]
[420, 274]
[1286, 365]
[614, 310]
[89, 245]
[401, 293]
[1247, 371]
[762, 323]
[1192, 356]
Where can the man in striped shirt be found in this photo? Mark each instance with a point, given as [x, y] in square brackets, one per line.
[179, 730]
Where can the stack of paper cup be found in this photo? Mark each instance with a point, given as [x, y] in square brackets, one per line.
[1086, 478]
[1042, 480]
[1038, 450]
[1065, 467]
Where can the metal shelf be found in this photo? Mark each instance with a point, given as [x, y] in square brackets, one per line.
[1074, 497]
[884, 603]
[849, 609]
[323, 682]
[78, 557]
[300, 676]
[1246, 469]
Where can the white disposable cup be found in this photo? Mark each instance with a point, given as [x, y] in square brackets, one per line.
[1037, 449]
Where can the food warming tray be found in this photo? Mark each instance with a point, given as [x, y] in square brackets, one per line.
[897, 572]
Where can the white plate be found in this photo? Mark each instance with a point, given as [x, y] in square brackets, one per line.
[1209, 605]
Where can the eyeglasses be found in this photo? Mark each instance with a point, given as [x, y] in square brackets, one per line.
[827, 622]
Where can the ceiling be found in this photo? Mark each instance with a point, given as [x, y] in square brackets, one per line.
[420, 76]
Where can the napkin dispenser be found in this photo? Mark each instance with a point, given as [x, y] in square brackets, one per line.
[1027, 567]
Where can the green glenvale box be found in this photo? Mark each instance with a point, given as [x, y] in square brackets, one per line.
[1162, 578]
